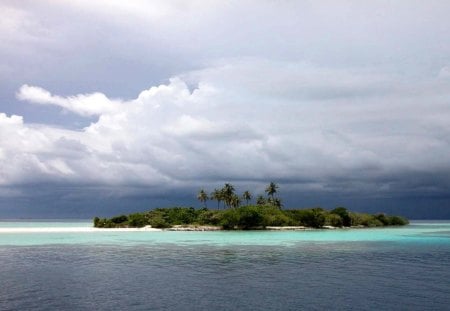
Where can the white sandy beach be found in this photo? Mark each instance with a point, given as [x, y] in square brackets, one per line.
[73, 229]
[144, 229]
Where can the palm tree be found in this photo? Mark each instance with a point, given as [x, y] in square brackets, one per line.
[202, 196]
[228, 192]
[272, 189]
[260, 200]
[235, 201]
[277, 203]
[247, 196]
[217, 195]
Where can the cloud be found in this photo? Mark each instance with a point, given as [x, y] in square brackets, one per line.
[444, 72]
[153, 40]
[324, 97]
[85, 105]
[310, 127]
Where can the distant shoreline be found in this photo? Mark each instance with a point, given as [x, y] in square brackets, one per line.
[73, 230]
[178, 228]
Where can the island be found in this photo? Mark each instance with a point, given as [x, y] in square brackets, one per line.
[230, 214]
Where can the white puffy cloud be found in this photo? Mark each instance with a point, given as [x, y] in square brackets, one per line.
[254, 120]
[85, 105]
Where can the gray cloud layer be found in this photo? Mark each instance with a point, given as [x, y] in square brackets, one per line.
[349, 99]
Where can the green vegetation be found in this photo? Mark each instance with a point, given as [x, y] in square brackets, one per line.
[267, 212]
[249, 217]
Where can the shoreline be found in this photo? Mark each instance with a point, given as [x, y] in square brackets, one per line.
[180, 228]
[268, 228]
[75, 230]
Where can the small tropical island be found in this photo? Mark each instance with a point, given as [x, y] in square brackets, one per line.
[232, 214]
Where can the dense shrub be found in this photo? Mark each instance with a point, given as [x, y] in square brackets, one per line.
[96, 221]
[230, 219]
[157, 220]
[383, 219]
[207, 217]
[137, 220]
[366, 220]
[179, 215]
[333, 220]
[314, 217]
[119, 219]
[397, 221]
[249, 217]
[372, 221]
[106, 223]
[343, 213]
[273, 216]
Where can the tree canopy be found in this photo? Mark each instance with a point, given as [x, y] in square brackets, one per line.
[266, 212]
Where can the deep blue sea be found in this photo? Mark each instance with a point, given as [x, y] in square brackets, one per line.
[405, 268]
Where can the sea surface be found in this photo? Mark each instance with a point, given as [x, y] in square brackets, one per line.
[43, 266]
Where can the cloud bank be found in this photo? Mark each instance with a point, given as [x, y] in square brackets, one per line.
[152, 100]
[308, 127]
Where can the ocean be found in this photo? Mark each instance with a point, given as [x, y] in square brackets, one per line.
[63, 265]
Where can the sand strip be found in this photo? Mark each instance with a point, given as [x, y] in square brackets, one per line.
[73, 229]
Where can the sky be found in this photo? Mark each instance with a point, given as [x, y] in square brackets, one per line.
[111, 107]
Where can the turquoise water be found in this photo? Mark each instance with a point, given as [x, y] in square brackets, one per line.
[49, 268]
[417, 232]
